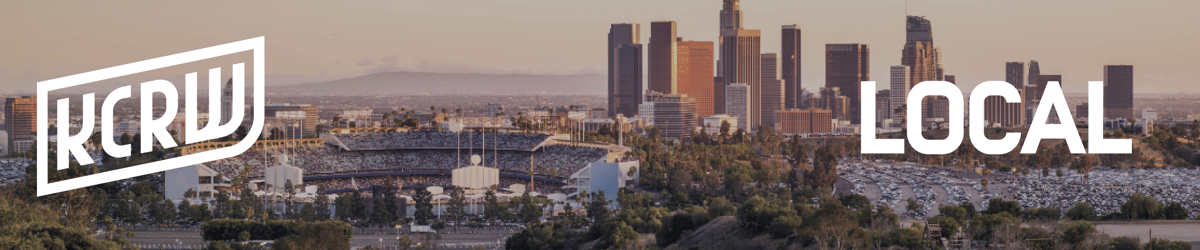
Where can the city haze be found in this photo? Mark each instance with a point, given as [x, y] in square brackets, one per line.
[314, 42]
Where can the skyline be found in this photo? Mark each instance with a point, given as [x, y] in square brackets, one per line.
[305, 49]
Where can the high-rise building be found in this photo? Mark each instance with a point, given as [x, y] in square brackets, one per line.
[226, 102]
[663, 58]
[303, 113]
[1032, 98]
[883, 104]
[1042, 80]
[836, 102]
[696, 75]
[919, 53]
[737, 103]
[741, 63]
[898, 91]
[846, 66]
[1014, 73]
[1033, 73]
[1118, 91]
[731, 15]
[20, 114]
[674, 115]
[624, 70]
[772, 96]
[999, 111]
[950, 79]
[790, 56]
[804, 121]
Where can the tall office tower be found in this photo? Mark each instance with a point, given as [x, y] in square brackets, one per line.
[1014, 73]
[883, 104]
[696, 74]
[718, 93]
[899, 91]
[20, 114]
[1042, 80]
[846, 66]
[624, 70]
[674, 115]
[226, 102]
[737, 103]
[837, 103]
[1118, 91]
[791, 66]
[999, 111]
[663, 58]
[1032, 97]
[1034, 72]
[731, 16]
[772, 90]
[742, 63]
[919, 53]
[949, 78]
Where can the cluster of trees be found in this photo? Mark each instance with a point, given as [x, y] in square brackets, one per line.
[328, 234]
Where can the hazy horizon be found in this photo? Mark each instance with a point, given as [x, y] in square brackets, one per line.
[310, 42]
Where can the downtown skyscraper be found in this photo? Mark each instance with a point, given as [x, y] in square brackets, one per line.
[742, 63]
[772, 96]
[1014, 73]
[663, 58]
[846, 66]
[624, 69]
[1118, 91]
[695, 71]
[924, 62]
[790, 70]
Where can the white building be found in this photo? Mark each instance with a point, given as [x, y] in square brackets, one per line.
[646, 111]
[737, 103]
[196, 177]
[276, 177]
[714, 123]
[1150, 114]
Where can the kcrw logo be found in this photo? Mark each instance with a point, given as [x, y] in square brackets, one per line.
[152, 128]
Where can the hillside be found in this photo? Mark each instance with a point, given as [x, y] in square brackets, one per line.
[725, 233]
[414, 83]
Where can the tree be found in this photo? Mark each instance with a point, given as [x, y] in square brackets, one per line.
[725, 129]
[597, 210]
[322, 204]
[1165, 244]
[424, 204]
[914, 206]
[539, 236]
[1141, 207]
[824, 173]
[997, 205]
[1081, 211]
[491, 205]
[1076, 232]
[289, 200]
[721, 207]
[457, 207]
[381, 216]
[1175, 211]
[530, 211]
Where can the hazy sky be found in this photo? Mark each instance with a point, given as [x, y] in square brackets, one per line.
[310, 41]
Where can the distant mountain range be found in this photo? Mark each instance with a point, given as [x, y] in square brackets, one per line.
[414, 83]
